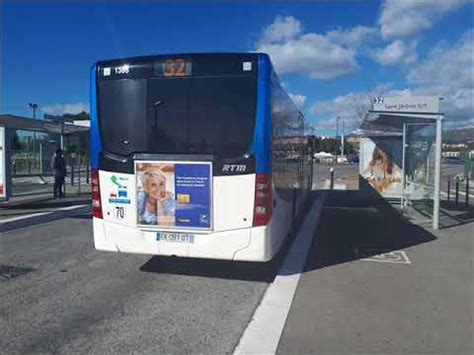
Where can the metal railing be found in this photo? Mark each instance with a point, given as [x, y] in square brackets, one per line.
[460, 188]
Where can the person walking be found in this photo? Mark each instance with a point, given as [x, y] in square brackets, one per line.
[58, 165]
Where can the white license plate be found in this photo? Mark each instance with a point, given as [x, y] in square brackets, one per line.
[174, 237]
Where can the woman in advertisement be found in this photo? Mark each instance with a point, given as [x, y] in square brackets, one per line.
[382, 172]
[156, 206]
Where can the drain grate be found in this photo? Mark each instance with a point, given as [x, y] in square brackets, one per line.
[10, 272]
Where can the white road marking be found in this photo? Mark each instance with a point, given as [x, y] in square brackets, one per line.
[264, 330]
[37, 214]
[393, 257]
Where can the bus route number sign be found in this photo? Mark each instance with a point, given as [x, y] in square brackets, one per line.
[173, 68]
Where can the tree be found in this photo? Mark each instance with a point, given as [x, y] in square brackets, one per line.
[81, 116]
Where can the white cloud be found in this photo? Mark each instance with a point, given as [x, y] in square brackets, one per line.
[318, 56]
[282, 29]
[403, 18]
[60, 109]
[299, 100]
[354, 37]
[447, 68]
[351, 108]
[449, 73]
[397, 52]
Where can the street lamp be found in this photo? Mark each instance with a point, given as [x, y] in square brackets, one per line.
[342, 138]
[34, 107]
[337, 133]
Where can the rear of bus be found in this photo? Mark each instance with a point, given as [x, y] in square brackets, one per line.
[182, 156]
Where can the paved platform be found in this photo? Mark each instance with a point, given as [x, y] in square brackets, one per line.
[375, 282]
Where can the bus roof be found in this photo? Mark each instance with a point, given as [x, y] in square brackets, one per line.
[199, 55]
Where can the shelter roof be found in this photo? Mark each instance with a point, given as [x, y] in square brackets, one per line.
[30, 124]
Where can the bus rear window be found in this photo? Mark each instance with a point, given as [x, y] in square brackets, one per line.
[198, 115]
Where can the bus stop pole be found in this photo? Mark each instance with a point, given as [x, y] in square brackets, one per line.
[437, 177]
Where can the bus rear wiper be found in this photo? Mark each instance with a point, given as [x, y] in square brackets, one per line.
[155, 108]
[158, 103]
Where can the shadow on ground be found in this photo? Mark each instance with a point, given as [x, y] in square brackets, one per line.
[451, 214]
[239, 270]
[354, 224]
[52, 203]
[80, 212]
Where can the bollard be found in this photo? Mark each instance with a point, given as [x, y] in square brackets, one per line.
[467, 192]
[449, 187]
[331, 181]
[87, 173]
[79, 178]
[72, 174]
[457, 190]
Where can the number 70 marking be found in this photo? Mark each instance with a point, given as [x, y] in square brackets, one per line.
[119, 212]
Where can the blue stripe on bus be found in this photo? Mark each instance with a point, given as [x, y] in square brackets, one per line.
[262, 142]
[95, 135]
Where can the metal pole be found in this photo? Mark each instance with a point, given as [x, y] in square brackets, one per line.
[87, 172]
[467, 191]
[342, 138]
[457, 190]
[437, 177]
[342, 144]
[79, 169]
[72, 171]
[402, 199]
[331, 181]
[449, 187]
[41, 157]
[34, 148]
[62, 136]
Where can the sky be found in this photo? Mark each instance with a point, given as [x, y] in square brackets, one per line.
[331, 57]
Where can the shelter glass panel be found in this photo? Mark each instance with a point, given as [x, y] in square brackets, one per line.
[420, 144]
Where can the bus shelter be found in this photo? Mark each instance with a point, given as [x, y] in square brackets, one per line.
[27, 146]
[401, 151]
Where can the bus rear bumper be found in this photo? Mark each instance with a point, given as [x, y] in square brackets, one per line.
[247, 244]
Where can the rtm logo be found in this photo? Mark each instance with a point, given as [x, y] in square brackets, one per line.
[233, 168]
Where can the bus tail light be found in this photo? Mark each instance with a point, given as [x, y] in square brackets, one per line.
[96, 204]
[263, 200]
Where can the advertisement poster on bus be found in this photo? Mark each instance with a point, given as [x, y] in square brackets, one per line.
[174, 195]
[3, 174]
[379, 165]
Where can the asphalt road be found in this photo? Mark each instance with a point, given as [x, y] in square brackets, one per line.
[73, 298]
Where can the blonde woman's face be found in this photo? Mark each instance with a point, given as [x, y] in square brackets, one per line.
[155, 185]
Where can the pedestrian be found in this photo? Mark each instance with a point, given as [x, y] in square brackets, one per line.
[58, 165]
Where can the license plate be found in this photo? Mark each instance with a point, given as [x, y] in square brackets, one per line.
[174, 237]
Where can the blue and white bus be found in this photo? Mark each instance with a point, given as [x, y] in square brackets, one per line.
[195, 155]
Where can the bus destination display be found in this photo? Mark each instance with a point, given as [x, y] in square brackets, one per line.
[173, 68]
